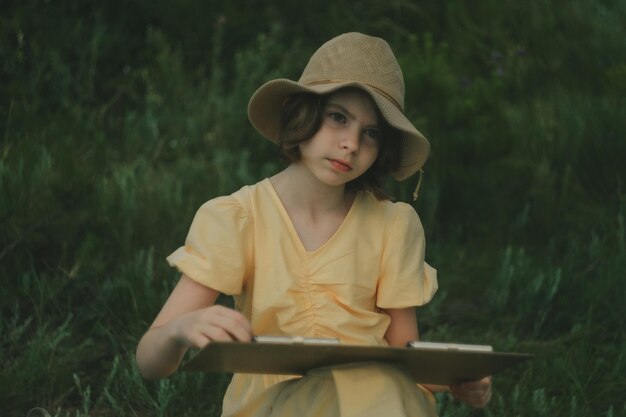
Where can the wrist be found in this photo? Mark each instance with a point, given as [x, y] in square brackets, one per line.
[174, 337]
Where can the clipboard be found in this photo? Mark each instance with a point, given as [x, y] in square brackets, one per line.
[426, 362]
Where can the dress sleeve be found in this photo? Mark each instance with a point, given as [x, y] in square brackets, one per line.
[406, 280]
[217, 251]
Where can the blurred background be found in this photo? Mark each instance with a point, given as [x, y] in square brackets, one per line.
[118, 119]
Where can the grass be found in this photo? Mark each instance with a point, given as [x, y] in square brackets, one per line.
[116, 128]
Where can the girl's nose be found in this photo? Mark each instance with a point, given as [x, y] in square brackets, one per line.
[350, 141]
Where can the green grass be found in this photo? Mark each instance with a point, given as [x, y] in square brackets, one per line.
[117, 122]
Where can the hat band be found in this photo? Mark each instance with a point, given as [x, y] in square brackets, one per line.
[373, 87]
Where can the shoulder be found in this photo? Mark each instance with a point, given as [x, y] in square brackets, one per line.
[223, 206]
[234, 207]
[390, 211]
[237, 202]
[396, 221]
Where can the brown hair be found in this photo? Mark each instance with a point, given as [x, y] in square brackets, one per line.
[301, 118]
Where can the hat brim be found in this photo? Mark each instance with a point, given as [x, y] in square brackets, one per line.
[265, 108]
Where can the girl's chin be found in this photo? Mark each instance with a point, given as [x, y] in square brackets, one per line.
[333, 181]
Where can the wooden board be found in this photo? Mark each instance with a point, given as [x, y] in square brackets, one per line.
[426, 365]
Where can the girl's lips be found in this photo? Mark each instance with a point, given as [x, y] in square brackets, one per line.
[340, 165]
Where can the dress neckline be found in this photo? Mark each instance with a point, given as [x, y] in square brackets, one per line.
[292, 228]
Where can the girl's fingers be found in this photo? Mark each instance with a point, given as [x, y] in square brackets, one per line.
[204, 333]
[226, 329]
[231, 322]
[475, 393]
[200, 341]
[239, 319]
[217, 323]
[218, 334]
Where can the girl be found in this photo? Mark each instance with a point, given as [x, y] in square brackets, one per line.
[317, 250]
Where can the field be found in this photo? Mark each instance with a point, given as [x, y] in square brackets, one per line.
[118, 119]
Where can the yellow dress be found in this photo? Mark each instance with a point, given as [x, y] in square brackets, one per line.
[245, 245]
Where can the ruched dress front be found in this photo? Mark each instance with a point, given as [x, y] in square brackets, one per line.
[245, 245]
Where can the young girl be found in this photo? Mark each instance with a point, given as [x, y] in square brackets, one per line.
[317, 250]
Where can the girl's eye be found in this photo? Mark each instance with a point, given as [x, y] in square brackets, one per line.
[337, 117]
[372, 134]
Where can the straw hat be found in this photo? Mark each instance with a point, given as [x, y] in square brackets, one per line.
[349, 60]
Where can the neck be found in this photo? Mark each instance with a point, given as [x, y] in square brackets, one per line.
[298, 188]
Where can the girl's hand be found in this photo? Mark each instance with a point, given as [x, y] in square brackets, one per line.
[474, 393]
[215, 323]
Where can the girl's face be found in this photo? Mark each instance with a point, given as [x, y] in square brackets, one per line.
[346, 144]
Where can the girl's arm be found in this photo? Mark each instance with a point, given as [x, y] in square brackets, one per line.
[403, 329]
[189, 318]
[403, 326]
